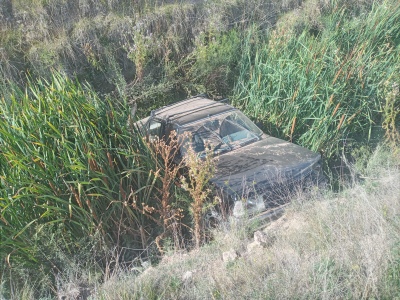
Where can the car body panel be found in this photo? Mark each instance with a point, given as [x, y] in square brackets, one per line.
[190, 110]
[268, 161]
[250, 164]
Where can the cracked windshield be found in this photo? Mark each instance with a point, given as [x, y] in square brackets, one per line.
[219, 133]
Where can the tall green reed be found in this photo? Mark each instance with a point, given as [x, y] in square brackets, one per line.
[320, 88]
[68, 157]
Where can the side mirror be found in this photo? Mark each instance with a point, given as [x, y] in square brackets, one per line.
[259, 124]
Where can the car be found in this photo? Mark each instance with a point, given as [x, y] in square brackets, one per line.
[256, 173]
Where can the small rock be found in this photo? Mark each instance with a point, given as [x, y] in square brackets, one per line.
[146, 264]
[262, 239]
[229, 256]
[238, 209]
[254, 246]
[187, 276]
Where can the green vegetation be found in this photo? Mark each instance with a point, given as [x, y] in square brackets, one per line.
[84, 199]
[68, 157]
[76, 176]
[325, 83]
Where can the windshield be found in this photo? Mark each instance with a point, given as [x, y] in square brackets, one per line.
[220, 133]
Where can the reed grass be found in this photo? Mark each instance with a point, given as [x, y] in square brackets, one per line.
[331, 83]
[68, 157]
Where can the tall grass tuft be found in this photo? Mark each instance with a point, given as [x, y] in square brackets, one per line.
[68, 157]
[323, 86]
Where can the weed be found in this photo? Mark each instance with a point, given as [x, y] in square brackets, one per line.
[164, 213]
[200, 171]
[391, 282]
[215, 61]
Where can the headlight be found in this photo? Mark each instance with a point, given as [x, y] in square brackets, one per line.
[255, 204]
[251, 206]
[238, 209]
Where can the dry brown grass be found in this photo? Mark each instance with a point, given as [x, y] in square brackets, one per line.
[334, 246]
[113, 43]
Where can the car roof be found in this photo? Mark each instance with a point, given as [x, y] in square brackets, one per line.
[191, 110]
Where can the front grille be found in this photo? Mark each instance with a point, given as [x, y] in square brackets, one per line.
[281, 192]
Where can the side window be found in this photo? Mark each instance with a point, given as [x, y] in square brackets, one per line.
[154, 129]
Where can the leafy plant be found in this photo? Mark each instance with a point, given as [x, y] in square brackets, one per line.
[215, 61]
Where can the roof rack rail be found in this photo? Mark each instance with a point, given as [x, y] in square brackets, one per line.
[225, 100]
[185, 113]
[180, 114]
[203, 95]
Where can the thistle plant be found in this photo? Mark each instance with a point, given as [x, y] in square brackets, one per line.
[200, 171]
[163, 211]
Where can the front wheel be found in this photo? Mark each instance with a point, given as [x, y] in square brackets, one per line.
[212, 219]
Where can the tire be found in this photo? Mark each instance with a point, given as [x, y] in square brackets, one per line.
[212, 219]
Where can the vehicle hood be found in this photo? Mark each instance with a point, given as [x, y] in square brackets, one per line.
[263, 163]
